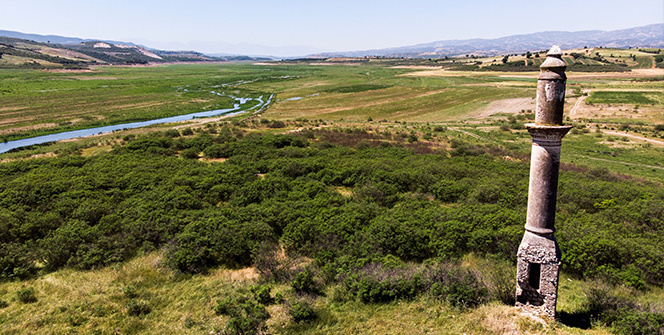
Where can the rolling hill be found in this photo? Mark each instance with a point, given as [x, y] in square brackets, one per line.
[646, 36]
[76, 53]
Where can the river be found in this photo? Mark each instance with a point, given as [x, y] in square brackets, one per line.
[237, 109]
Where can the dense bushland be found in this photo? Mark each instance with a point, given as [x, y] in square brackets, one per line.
[318, 199]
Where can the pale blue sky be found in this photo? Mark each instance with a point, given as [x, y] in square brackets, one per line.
[247, 26]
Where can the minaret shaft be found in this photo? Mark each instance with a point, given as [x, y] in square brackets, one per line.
[538, 258]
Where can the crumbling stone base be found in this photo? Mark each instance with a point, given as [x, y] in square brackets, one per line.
[538, 267]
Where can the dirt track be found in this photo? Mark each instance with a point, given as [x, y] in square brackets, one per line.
[577, 104]
[635, 137]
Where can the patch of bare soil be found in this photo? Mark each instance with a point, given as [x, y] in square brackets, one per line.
[24, 128]
[503, 84]
[95, 78]
[240, 275]
[44, 155]
[612, 111]
[199, 121]
[335, 63]
[69, 71]
[69, 54]
[213, 160]
[635, 73]
[138, 105]
[92, 151]
[445, 73]
[512, 106]
[6, 109]
[416, 67]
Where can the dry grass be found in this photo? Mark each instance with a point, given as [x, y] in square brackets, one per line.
[346, 192]
[96, 302]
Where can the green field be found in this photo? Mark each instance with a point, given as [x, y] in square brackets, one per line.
[373, 198]
[39, 102]
[635, 98]
[36, 102]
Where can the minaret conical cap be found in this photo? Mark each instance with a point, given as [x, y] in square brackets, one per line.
[554, 66]
[555, 51]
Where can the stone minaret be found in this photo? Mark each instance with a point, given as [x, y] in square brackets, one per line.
[538, 261]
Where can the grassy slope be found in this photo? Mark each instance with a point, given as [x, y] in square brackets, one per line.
[96, 302]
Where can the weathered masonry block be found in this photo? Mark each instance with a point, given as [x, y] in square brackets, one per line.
[538, 258]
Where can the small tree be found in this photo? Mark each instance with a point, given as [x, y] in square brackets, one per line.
[505, 59]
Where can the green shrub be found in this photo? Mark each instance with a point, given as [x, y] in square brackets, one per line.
[189, 322]
[301, 311]
[217, 241]
[272, 264]
[363, 145]
[16, 261]
[172, 133]
[218, 151]
[155, 145]
[439, 128]
[631, 322]
[375, 283]
[372, 290]
[26, 295]
[246, 316]
[138, 307]
[276, 124]
[304, 283]
[130, 291]
[460, 288]
[621, 313]
[279, 297]
[262, 294]
[191, 153]
[3, 304]
[225, 306]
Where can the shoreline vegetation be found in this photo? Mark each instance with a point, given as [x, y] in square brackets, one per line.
[364, 200]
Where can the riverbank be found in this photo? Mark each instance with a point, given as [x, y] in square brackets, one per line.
[228, 112]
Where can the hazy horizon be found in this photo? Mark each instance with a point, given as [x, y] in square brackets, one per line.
[292, 27]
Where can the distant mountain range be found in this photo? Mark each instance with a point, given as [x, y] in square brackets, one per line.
[39, 51]
[646, 36]
[113, 52]
[53, 38]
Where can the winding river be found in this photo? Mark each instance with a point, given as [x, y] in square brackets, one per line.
[237, 109]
